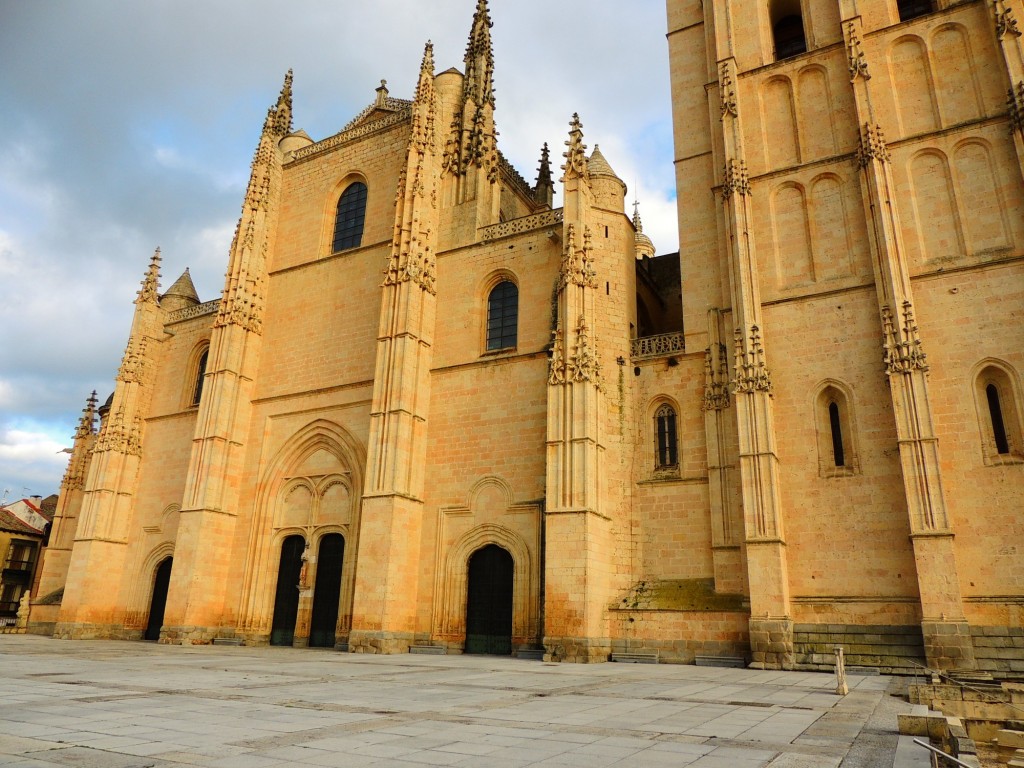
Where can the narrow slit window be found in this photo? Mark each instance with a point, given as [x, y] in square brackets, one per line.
[995, 412]
[348, 220]
[503, 316]
[668, 447]
[838, 455]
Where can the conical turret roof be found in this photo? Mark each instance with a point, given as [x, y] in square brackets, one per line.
[184, 288]
[598, 165]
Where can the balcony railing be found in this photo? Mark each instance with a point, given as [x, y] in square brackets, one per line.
[663, 345]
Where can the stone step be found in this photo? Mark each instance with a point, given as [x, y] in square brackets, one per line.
[227, 641]
[532, 654]
[636, 658]
[428, 650]
[910, 755]
[737, 662]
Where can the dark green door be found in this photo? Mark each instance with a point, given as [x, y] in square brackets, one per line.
[327, 591]
[489, 602]
[286, 601]
[161, 582]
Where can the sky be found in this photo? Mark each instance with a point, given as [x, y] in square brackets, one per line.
[128, 125]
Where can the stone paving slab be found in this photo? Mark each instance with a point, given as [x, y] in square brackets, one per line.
[115, 704]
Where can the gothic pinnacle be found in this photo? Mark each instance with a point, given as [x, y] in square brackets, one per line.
[87, 424]
[279, 116]
[543, 190]
[426, 68]
[479, 58]
[283, 108]
[575, 156]
[151, 281]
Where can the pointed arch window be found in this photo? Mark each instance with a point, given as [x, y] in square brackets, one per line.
[349, 216]
[911, 9]
[667, 440]
[503, 316]
[998, 400]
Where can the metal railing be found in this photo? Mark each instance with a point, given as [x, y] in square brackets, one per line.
[953, 681]
[938, 754]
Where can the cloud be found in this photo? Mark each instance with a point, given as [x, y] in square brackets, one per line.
[29, 461]
[124, 126]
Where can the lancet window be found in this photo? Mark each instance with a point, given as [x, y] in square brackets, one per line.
[666, 437]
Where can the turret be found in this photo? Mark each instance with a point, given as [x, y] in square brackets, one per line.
[609, 189]
[181, 294]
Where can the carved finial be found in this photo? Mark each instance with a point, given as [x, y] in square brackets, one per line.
[280, 116]
[87, 423]
[1005, 22]
[644, 244]
[479, 60]
[576, 154]
[544, 190]
[737, 180]
[151, 282]
[426, 72]
[728, 89]
[858, 64]
[382, 93]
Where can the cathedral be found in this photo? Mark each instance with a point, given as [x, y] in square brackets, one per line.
[430, 412]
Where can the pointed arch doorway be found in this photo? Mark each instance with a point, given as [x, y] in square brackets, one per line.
[286, 598]
[489, 601]
[158, 603]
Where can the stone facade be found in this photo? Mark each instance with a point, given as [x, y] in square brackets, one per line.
[806, 453]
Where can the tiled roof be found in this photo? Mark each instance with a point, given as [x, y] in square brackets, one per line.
[12, 524]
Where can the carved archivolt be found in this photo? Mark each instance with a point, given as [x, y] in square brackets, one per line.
[295, 468]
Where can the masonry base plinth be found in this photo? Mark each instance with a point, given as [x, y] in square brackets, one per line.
[948, 645]
[771, 644]
[577, 650]
[380, 642]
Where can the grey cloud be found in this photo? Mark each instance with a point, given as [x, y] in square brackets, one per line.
[127, 125]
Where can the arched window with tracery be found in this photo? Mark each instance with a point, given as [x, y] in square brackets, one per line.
[349, 216]
[788, 34]
[667, 438]
[503, 316]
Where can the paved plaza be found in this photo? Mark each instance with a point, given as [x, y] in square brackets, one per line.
[110, 704]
